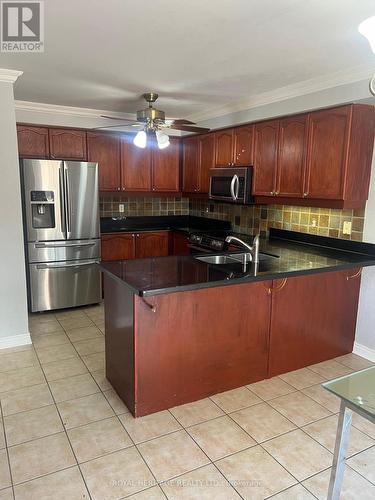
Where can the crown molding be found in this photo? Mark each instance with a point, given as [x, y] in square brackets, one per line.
[9, 75]
[56, 109]
[299, 89]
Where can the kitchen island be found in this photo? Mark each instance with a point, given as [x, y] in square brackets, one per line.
[180, 329]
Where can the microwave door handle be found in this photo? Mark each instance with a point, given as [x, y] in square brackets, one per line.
[232, 183]
[237, 187]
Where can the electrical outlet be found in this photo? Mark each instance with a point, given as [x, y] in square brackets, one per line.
[313, 223]
[347, 227]
[121, 208]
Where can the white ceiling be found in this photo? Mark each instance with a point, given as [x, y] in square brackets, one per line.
[198, 54]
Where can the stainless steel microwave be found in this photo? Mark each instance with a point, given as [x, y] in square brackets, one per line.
[232, 184]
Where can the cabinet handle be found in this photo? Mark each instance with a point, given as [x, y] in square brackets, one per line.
[358, 273]
[272, 193]
[278, 288]
[277, 193]
[150, 306]
[118, 189]
[305, 195]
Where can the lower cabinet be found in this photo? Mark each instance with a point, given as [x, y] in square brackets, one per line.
[313, 319]
[135, 245]
[180, 244]
[118, 247]
[152, 244]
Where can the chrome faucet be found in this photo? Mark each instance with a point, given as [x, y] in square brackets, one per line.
[253, 250]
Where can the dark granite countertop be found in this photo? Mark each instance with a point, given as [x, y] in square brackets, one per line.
[295, 254]
[183, 223]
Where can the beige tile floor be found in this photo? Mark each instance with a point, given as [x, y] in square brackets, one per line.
[65, 434]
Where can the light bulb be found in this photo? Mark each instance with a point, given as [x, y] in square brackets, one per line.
[163, 139]
[367, 29]
[140, 140]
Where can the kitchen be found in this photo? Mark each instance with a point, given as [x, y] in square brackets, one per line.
[234, 254]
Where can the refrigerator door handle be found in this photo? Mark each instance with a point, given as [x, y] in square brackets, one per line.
[62, 266]
[62, 200]
[67, 202]
[64, 245]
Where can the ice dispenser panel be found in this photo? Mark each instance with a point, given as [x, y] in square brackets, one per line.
[43, 209]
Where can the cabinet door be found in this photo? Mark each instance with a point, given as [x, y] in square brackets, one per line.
[327, 153]
[206, 160]
[135, 166]
[166, 167]
[152, 244]
[105, 149]
[190, 169]
[67, 144]
[224, 148]
[291, 161]
[313, 319]
[180, 244]
[243, 145]
[32, 142]
[118, 247]
[265, 158]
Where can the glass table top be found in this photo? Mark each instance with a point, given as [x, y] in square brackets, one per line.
[357, 388]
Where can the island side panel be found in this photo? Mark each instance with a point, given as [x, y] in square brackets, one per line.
[313, 319]
[198, 343]
[119, 338]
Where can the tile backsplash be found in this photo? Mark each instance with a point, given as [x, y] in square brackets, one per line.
[255, 218]
[245, 219]
[109, 206]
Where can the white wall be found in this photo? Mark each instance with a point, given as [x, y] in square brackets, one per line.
[13, 299]
[365, 335]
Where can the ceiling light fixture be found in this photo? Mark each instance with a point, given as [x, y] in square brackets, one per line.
[140, 140]
[367, 29]
[162, 139]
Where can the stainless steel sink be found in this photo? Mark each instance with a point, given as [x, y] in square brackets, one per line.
[217, 259]
[232, 258]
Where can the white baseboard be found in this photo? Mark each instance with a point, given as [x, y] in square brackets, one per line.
[15, 340]
[364, 351]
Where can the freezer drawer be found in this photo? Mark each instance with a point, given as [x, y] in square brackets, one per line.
[57, 251]
[64, 284]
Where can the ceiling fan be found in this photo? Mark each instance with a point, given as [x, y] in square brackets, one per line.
[154, 124]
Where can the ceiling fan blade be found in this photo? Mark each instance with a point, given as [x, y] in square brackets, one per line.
[118, 125]
[181, 121]
[118, 119]
[188, 128]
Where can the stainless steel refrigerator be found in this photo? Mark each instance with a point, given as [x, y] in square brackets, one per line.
[61, 222]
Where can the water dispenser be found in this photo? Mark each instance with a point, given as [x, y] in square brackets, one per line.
[42, 209]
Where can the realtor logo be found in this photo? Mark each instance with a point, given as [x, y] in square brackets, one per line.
[22, 26]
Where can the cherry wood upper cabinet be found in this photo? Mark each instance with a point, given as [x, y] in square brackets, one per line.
[340, 153]
[313, 319]
[67, 144]
[166, 167]
[136, 174]
[118, 247]
[105, 149]
[327, 153]
[190, 182]
[224, 148]
[152, 244]
[32, 141]
[265, 158]
[206, 161]
[243, 145]
[291, 161]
